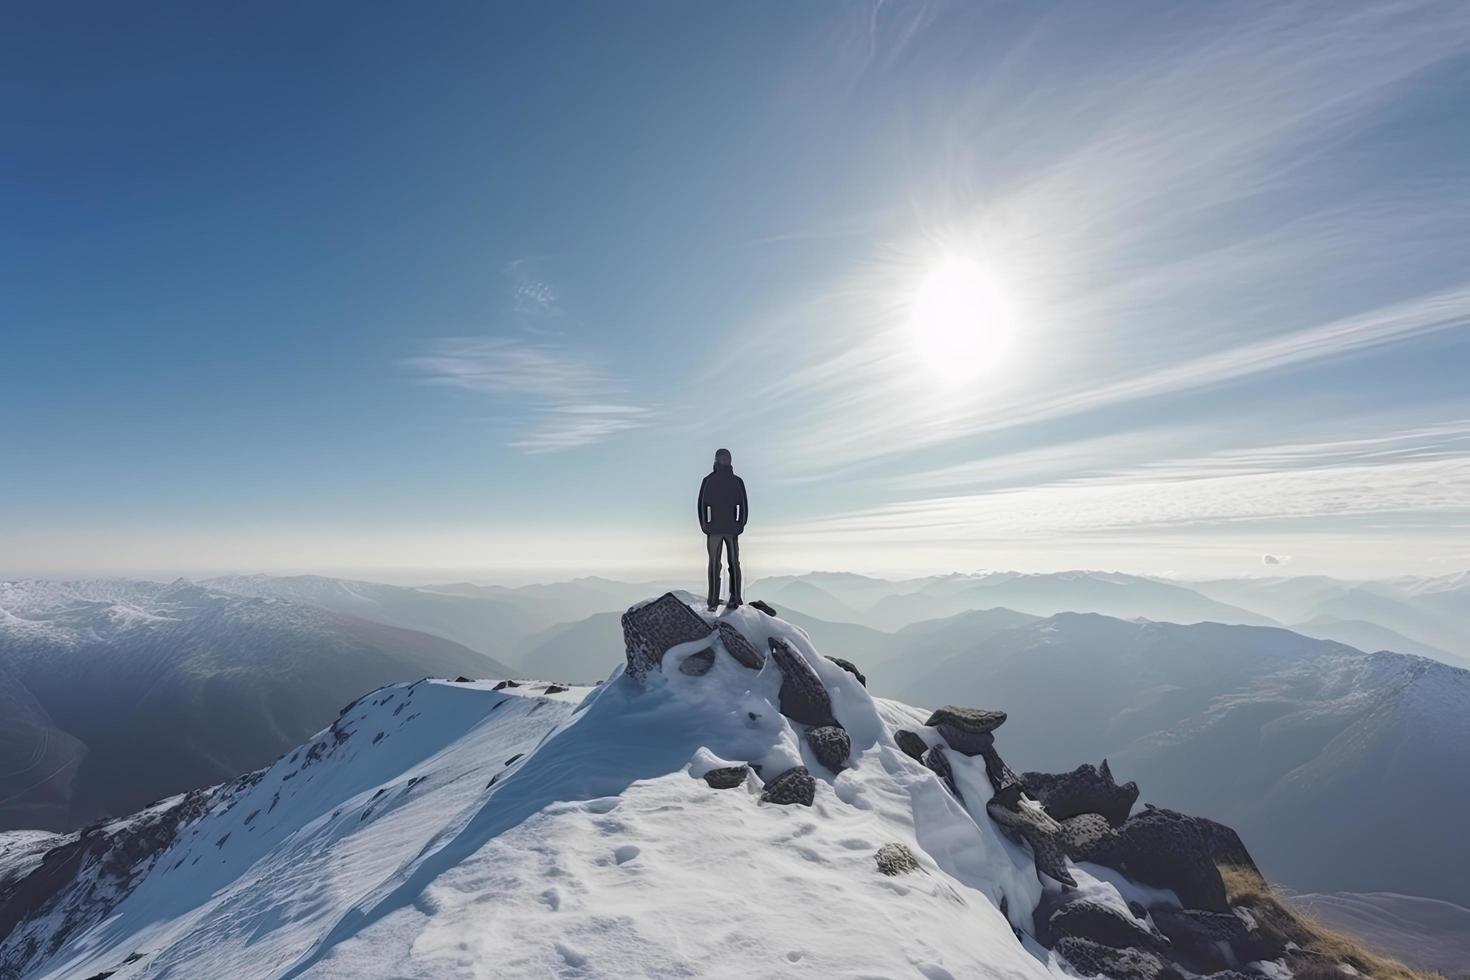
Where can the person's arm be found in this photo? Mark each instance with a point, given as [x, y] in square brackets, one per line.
[744, 507]
[703, 519]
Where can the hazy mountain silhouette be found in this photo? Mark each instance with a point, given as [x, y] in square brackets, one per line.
[122, 692]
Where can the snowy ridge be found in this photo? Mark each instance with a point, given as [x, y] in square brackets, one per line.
[473, 829]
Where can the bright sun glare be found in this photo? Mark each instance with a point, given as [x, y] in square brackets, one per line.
[962, 322]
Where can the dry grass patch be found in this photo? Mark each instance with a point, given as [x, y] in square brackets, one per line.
[1321, 948]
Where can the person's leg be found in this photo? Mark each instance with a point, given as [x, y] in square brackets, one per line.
[732, 544]
[713, 545]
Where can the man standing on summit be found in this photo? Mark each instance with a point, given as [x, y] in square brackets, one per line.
[722, 513]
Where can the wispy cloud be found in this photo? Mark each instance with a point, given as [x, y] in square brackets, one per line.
[1415, 478]
[561, 397]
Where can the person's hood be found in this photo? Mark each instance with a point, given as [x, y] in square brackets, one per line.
[723, 466]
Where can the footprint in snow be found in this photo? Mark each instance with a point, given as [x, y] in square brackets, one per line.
[626, 853]
[573, 959]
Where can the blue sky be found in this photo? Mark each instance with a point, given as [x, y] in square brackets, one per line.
[480, 287]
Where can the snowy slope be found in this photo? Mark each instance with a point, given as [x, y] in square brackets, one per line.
[443, 829]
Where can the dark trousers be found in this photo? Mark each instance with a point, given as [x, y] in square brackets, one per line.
[731, 544]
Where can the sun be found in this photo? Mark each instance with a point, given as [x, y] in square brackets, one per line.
[962, 322]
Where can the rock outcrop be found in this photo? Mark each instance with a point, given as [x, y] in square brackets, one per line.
[1207, 941]
[967, 730]
[1026, 821]
[737, 646]
[1086, 789]
[912, 745]
[795, 785]
[939, 765]
[726, 777]
[831, 745]
[650, 630]
[803, 697]
[1096, 922]
[1171, 850]
[1089, 837]
[1092, 959]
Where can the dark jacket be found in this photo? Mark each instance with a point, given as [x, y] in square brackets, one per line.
[719, 496]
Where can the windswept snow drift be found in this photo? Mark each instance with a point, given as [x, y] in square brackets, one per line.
[455, 829]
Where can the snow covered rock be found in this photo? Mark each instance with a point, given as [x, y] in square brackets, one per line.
[912, 745]
[651, 630]
[698, 663]
[831, 745]
[803, 698]
[1086, 789]
[1091, 959]
[726, 777]
[851, 668]
[737, 646]
[938, 763]
[1098, 922]
[795, 785]
[1029, 822]
[1001, 776]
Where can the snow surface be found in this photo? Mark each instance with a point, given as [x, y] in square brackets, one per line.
[451, 830]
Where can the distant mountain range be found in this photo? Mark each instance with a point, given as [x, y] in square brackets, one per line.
[1276, 733]
[117, 692]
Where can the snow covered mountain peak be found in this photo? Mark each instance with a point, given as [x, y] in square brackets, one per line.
[729, 803]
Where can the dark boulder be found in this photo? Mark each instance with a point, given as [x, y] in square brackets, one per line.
[831, 745]
[895, 859]
[504, 684]
[1086, 789]
[911, 744]
[462, 679]
[1029, 823]
[974, 721]
[651, 629]
[737, 646]
[1208, 941]
[1089, 959]
[698, 663]
[851, 668]
[967, 730]
[1001, 776]
[1089, 837]
[1225, 845]
[763, 606]
[726, 777]
[939, 765]
[966, 743]
[555, 689]
[795, 785]
[803, 697]
[1170, 850]
[1097, 922]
